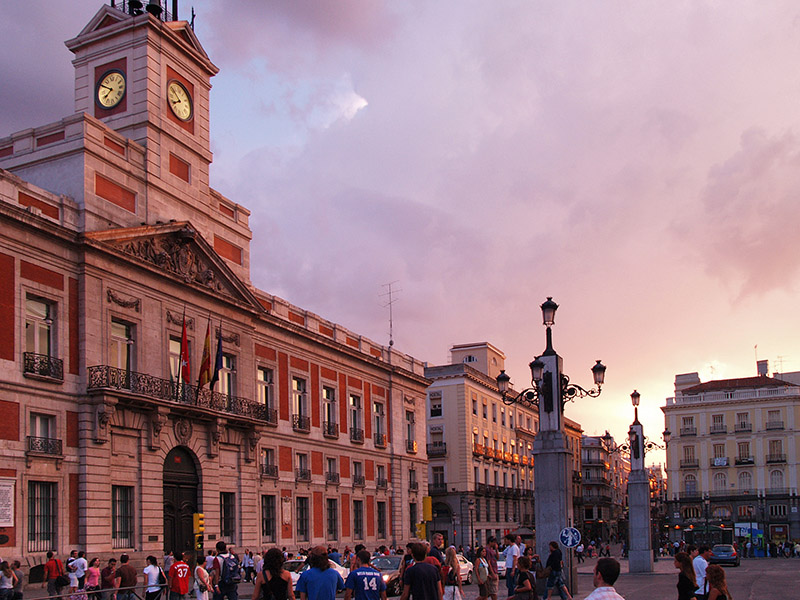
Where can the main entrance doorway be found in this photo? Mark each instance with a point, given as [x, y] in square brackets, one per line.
[180, 499]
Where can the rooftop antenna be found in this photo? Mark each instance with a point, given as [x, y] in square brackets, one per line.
[390, 293]
[779, 361]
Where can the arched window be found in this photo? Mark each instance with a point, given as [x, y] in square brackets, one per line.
[689, 484]
[745, 481]
[720, 482]
[722, 512]
[776, 479]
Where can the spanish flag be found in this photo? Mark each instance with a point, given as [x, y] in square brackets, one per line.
[205, 363]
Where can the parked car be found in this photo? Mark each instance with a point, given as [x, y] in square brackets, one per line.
[297, 565]
[466, 569]
[389, 566]
[724, 554]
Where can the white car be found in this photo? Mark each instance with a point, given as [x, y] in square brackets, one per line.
[466, 569]
[296, 566]
[501, 565]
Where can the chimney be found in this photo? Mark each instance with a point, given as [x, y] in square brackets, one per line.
[762, 367]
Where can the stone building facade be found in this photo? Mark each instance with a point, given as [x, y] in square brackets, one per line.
[605, 484]
[111, 240]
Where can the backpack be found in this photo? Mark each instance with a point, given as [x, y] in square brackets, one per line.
[162, 579]
[229, 570]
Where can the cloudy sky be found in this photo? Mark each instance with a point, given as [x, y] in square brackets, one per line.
[637, 161]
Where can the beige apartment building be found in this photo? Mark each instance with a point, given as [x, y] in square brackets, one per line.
[732, 460]
[605, 489]
[480, 450]
[111, 242]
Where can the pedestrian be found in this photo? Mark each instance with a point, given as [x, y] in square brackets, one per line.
[406, 562]
[93, 579]
[579, 552]
[152, 575]
[169, 560]
[7, 581]
[717, 586]
[687, 582]
[364, 582]
[126, 579]
[525, 586]
[481, 570]
[555, 578]
[225, 576]
[273, 582]
[80, 566]
[202, 580]
[606, 573]
[451, 571]
[108, 578]
[248, 565]
[320, 582]
[494, 578]
[20, 585]
[437, 542]
[512, 555]
[421, 581]
[700, 563]
[178, 578]
[73, 578]
[54, 574]
[209, 561]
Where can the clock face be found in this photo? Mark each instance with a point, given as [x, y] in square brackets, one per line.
[179, 100]
[111, 89]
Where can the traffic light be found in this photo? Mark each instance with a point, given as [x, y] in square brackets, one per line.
[421, 533]
[198, 526]
[427, 508]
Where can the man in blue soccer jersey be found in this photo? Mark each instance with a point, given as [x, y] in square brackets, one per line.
[364, 582]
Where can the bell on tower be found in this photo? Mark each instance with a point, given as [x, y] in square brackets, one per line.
[154, 8]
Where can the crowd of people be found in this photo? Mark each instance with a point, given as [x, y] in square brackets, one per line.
[697, 579]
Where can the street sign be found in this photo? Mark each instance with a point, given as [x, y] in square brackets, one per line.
[570, 537]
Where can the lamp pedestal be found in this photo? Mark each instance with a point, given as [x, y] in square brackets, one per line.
[640, 554]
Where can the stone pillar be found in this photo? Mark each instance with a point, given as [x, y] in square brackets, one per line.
[640, 553]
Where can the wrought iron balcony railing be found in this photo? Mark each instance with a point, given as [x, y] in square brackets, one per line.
[719, 461]
[743, 428]
[302, 475]
[301, 423]
[331, 477]
[270, 471]
[744, 460]
[138, 7]
[44, 445]
[413, 485]
[437, 449]
[43, 366]
[356, 435]
[716, 429]
[685, 431]
[270, 416]
[380, 440]
[359, 481]
[776, 458]
[437, 488]
[330, 429]
[774, 425]
[105, 377]
[687, 463]
[411, 446]
[381, 483]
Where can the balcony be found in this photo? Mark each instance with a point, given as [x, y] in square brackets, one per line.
[103, 377]
[719, 461]
[593, 499]
[380, 440]
[507, 457]
[774, 425]
[478, 449]
[270, 416]
[269, 471]
[301, 423]
[594, 461]
[717, 429]
[358, 481]
[745, 460]
[411, 446]
[437, 449]
[480, 488]
[302, 475]
[776, 458]
[743, 428]
[596, 480]
[688, 431]
[357, 435]
[515, 459]
[42, 365]
[488, 452]
[381, 483]
[525, 460]
[689, 463]
[330, 429]
[437, 489]
[413, 485]
[43, 445]
[332, 478]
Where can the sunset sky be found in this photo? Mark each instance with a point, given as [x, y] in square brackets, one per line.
[637, 161]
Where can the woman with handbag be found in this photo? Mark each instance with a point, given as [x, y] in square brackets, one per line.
[152, 581]
[452, 576]
[482, 573]
[202, 582]
[93, 579]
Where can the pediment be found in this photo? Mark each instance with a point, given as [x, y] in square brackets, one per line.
[105, 17]
[178, 251]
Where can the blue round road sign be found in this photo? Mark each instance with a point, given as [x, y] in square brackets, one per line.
[570, 537]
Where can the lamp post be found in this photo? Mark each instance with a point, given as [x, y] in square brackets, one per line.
[549, 391]
[471, 504]
[707, 503]
[640, 554]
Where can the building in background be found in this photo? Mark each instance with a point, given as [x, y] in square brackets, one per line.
[480, 450]
[658, 504]
[114, 250]
[605, 484]
[732, 460]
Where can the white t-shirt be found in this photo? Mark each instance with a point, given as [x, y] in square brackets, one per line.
[511, 552]
[152, 578]
[209, 562]
[699, 563]
[80, 565]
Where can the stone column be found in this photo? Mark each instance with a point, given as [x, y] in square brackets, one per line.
[640, 553]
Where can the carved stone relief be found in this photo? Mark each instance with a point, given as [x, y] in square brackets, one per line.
[183, 431]
[177, 319]
[102, 418]
[119, 300]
